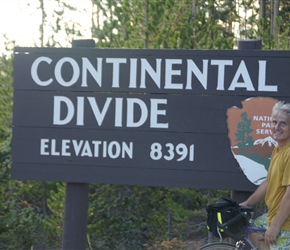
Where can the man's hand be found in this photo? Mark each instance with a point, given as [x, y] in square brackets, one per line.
[271, 235]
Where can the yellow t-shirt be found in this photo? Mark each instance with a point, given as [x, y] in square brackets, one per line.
[278, 179]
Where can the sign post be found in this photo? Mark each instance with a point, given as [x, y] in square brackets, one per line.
[76, 200]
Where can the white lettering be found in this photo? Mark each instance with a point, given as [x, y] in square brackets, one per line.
[53, 148]
[266, 125]
[58, 69]
[263, 131]
[170, 72]
[262, 118]
[134, 73]
[104, 149]
[96, 74]
[155, 75]
[96, 147]
[114, 149]
[58, 100]
[86, 148]
[64, 111]
[80, 111]
[77, 146]
[34, 71]
[131, 104]
[116, 70]
[127, 149]
[221, 72]
[242, 72]
[43, 146]
[99, 115]
[155, 112]
[262, 79]
[65, 148]
[201, 76]
[119, 112]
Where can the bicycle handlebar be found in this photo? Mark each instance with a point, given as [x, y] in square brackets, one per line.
[247, 209]
[225, 226]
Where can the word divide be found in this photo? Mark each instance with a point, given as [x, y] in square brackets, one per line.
[157, 73]
[136, 113]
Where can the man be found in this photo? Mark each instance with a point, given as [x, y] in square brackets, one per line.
[275, 190]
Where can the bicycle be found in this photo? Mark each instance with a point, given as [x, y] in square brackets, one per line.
[243, 242]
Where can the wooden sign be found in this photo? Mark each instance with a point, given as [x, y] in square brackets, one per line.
[144, 117]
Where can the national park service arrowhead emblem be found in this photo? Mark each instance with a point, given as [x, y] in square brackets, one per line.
[250, 135]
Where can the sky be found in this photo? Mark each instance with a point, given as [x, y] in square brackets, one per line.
[20, 20]
[17, 22]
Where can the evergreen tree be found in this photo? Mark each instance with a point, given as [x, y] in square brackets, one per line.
[21, 206]
[243, 137]
[165, 24]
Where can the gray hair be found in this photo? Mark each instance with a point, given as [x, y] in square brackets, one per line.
[281, 107]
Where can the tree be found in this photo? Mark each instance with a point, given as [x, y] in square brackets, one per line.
[269, 22]
[128, 217]
[23, 206]
[243, 137]
[6, 70]
[19, 214]
[262, 9]
[164, 24]
[274, 15]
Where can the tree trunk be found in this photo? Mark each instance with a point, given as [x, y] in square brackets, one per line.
[146, 40]
[92, 20]
[42, 23]
[274, 14]
[262, 9]
[211, 17]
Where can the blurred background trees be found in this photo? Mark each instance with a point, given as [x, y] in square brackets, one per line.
[120, 216]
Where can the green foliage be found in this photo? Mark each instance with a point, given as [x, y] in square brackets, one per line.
[255, 27]
[164, 24]
[23, 207]
[21, 220]
[54, 222]
[6, 78]
[130, 216]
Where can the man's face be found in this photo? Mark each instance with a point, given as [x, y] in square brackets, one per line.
[281, 128]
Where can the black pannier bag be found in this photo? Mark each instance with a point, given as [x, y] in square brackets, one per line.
[222, 211]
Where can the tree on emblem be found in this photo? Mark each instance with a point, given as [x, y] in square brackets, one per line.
[243, 138]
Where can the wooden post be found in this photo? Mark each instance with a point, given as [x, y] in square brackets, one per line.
[76, 200]
[240, 196]
[249, 44]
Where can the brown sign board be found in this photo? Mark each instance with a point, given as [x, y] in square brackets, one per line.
[136, 116]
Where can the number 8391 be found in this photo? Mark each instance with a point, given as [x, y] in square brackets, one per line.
[171, 152]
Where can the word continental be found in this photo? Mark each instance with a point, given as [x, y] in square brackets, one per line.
[159, 73]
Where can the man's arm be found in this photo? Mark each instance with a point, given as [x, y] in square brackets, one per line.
[282, 214]
[257, 196]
